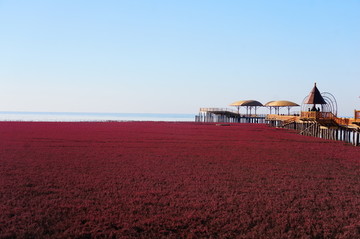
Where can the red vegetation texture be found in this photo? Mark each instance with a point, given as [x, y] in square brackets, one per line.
[174, 180]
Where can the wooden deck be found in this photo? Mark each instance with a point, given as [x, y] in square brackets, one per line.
[225, 115]
[313, 123]
[321, 124]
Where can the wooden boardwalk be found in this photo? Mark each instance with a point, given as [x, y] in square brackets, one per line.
[224, 115]
[321, 124]
[317, 124]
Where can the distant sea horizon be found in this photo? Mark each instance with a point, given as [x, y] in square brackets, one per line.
[91, 116]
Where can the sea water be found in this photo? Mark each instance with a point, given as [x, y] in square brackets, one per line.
[76, 117]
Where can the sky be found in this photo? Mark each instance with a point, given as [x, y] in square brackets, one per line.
[167, 56]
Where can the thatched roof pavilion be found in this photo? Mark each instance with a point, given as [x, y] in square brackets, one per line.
[280, 103]
[249, 104]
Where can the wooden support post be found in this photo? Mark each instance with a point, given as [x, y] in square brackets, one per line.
[354, 137]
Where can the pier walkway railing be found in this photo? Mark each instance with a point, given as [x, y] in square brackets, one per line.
[357, 115]
[317, 115]
[312, 123]
[228, 116]
[218, 110]
[320, 124]
[322, 116]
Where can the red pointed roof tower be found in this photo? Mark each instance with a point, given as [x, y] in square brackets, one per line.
[315, 98]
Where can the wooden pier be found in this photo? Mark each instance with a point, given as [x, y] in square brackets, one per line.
[321, 124]
[224, 115]
[317, 124]
[317, 118]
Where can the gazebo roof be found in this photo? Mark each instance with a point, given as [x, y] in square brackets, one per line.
[281, 103]
[315, 97]
[246, 103]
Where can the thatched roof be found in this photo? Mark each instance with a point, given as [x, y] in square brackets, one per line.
[246, 103]
[280, 103]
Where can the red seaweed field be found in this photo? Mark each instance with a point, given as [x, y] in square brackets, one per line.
[174, 180]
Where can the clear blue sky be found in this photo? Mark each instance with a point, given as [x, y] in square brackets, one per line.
[175, 56]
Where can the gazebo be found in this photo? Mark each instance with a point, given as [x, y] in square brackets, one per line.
[249, 104]
[279, 104]
[315, 98]
[310, 108]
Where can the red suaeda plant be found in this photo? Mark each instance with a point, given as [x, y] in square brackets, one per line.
[174, 180]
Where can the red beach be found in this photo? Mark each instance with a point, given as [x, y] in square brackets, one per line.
[174, 180]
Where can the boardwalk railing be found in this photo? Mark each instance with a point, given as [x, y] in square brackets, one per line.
[313, 115]
[320, 124]
[317, 115]
[343, 121]
[218, 110]
[357, 115]
[228, 116]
